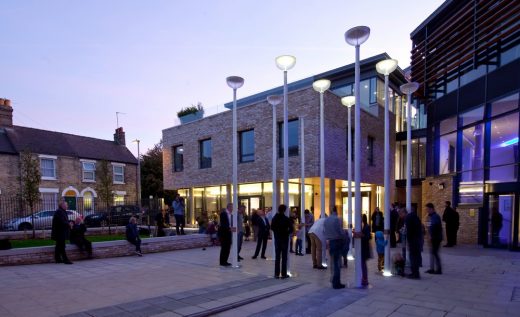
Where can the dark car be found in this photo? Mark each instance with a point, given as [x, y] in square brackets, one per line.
[117, 216]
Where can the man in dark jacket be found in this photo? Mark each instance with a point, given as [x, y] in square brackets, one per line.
[394, 217]
[378, 220]
[414, 238]
[282, 228]
[77, 237]
[263, 233]
[451, 218]
[435, 232]
[60, 232]
[224, 234]
[132, 235]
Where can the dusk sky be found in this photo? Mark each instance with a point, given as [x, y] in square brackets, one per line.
[69, 66]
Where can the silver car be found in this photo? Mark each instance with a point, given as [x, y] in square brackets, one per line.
[42, 220]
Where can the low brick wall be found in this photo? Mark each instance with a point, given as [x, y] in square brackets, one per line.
[107, 249]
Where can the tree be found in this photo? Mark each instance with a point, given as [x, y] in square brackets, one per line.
[152, 174]
[104, 186]
[30, 178]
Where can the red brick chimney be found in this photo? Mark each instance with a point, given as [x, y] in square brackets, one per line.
[119, 136]
[6, 113]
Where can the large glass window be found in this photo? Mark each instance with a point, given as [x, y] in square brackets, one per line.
[447, 153]
[504, 149]
[448, 125]
[504, 105]
[418, 167]
[178, 162]
[472, 159]
[48, 168]
[205, 153]
[247, 146]
[294, 133]
[472, 116]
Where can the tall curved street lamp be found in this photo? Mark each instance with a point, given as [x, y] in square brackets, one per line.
[235, 82]
[321, 86]
[349, 101]
[285, 63]
[355, 37]
[385, 67]
[409, 89]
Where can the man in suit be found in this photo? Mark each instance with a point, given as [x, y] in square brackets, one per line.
[60, 232]
[282, 228]
[263, 233]
[224, 233]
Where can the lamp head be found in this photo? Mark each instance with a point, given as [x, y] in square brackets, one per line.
[385, 67]
[235, 82]
[321, 85]
[409, 88]
[285, 62]
[348, 101]
[274, 100]
[357, 35]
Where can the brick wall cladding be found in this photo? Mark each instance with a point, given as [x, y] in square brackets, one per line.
[69, 172]
[304, 103]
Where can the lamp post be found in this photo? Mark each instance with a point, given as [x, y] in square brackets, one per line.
[302, 190]
[409, 89]
[285, 62]
[355, 37]
[138, 187]
[349, 101]
[321, 86]
[274, 100]
[235, 82]
[385, 67]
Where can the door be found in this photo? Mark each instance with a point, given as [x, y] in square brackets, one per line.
[251, 202]
[71, 201]
[502, 220]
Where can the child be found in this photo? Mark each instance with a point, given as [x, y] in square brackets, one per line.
[381, 243]
[398, 264]
[212, 232]
[300, 235]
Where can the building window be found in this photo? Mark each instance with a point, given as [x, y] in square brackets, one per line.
[205, 153]
[294, 132]
[119, 174]
[472, 159]
[49, 201]
[119, 200]
[178, 155]
[504, 149]
[89, 171]
[247, 146]
[370, 150]
[48, 168]
[88, 201]
[504, 105]
[447, 153]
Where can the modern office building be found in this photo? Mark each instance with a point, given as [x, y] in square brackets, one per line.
[466, 57]
[198, 155]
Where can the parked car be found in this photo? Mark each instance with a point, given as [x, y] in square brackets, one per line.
[118, 215]
[42, 220]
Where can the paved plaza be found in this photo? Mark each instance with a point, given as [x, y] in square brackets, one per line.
[476, 282]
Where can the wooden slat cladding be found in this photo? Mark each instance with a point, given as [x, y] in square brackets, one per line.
[466, 31]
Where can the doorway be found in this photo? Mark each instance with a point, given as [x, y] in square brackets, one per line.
[501, 215]
[251, 202]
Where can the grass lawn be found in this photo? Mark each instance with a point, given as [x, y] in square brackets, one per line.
[46, 242]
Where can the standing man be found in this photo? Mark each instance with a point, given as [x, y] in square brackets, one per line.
[317, 238]
[224, 233]
[282, 228]
[263, 233]
[394, 217]
[414, 234]
[435, 232]
[378, 220]
[60, 232]
[309, 221]
[179, 208]
[254, 222]
[240, 229]
[336, 241]
[451, 218]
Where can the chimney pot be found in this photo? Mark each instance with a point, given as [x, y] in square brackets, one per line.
[119, 136]
[6, 113]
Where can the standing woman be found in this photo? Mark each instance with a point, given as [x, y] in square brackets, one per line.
[365, 249]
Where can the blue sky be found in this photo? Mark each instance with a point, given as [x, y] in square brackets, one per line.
[70, 65]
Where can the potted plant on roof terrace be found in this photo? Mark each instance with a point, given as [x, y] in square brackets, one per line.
[191, 113]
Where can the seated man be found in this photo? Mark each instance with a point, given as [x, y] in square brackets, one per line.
[132, 235]
[77, 236]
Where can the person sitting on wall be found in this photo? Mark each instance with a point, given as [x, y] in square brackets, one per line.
[132, 235]
[77, 236]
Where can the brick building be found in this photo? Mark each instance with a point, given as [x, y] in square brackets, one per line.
[198, 158]
[67, 163]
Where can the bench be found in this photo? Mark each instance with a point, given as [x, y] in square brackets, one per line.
[106, 249]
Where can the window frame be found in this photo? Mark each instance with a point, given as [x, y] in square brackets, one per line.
[370, 150]
[280, 139]
[52, 159]
[240, 148]
[115, 174]
[83, 171]
[176, 168]
[206, 163]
